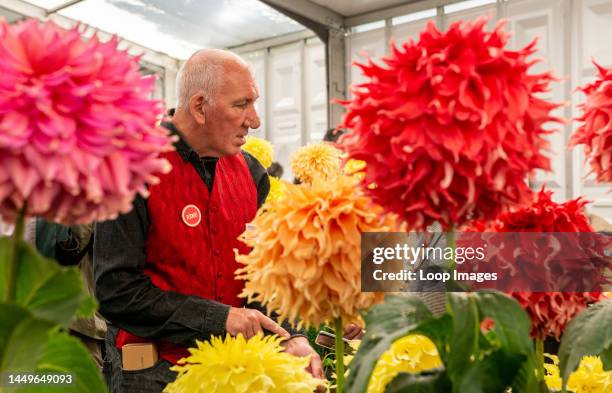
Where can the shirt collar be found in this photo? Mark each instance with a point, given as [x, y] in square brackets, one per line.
[182, 147]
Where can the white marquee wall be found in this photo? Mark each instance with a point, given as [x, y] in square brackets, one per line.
[293, 103]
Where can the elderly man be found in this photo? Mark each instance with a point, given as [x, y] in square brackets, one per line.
[164, 272]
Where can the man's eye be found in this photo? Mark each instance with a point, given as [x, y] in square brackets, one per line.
[242, 105]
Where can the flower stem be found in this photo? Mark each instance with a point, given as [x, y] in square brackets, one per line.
[339, 355]
[452, 243]
[11, 269]
[539, 342]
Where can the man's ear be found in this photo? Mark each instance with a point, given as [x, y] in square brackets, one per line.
[196, 108]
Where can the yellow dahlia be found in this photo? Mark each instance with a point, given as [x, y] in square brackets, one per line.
[410, 354]
[552, 376]
[305, 254]
[316, 161]
[261, 149]
[277, 189]
[590, 377]
[240, 366]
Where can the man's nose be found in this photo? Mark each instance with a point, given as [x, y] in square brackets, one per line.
[252, 120]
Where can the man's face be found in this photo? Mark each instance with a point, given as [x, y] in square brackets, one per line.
[231, 112]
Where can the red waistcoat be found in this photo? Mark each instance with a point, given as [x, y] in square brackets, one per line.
[197, 259]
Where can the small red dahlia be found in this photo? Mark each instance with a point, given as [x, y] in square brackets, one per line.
[531, 262]
[550, 312]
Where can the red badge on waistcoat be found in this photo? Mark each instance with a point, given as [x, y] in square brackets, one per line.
[191, 215]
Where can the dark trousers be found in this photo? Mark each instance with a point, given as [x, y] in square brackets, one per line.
[149, 380]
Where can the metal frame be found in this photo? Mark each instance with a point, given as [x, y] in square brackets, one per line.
[271, 42]
[63, 6]
[309, 10]
[398, 10]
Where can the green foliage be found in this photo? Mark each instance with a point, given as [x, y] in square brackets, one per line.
[589, 333]
[473, 362]
[33, 328]
[385, 323]
[48, 290]
[419, 383]
[66, 354]
[23, 338]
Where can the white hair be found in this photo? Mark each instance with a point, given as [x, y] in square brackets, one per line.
[203, 75]
[197, 77]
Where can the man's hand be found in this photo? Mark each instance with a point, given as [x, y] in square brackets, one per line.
[299, 346]
[250, 322]
[352, 332]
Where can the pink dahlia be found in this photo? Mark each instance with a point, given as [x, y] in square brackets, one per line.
[78, 130]
[596, 131]
[450, 126]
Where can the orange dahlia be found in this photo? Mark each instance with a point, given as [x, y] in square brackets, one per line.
[305, 262]
[450, 126]
[316, 161]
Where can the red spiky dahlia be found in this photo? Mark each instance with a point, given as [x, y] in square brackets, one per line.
[534, 263]
[595, 133]
[550, 312]
[78, 130]
[450, 126]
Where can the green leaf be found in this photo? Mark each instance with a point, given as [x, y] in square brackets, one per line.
[438, 331]
[66, 354]
[87, 308]
[32, 344]
[5, 244]
[606, 358]
[491, 374]
[419, 383]
[512, 324]
[589, 333]
[12, 316]
[511, 333]
[526, 380]
[22, 338]
[33, 270]
[385, 323]
[463, 343]
[48, 290]
[59, 297]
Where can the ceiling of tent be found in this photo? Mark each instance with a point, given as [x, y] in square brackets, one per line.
[178, 27]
